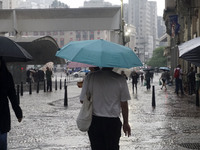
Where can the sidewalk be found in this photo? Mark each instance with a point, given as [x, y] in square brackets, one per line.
[172, 125]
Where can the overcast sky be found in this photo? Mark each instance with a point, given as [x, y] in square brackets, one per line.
[78, 3]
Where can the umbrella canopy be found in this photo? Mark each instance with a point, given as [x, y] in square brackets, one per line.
[148, 69]
[78, 65]
[164, 68]
[190, 51]
[12, 52]
[49, 64]
[99, 53]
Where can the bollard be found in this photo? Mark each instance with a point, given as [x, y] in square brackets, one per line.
[44, 86]
[65, 83]
[60, 84]
[30, 88]
[153, 96]
[197, 98]
[38, 86]
[65, 97]
[18, 100]
[22, 89]
[56, 84]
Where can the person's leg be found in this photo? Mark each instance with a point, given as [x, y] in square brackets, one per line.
[133, 86]
[47, 85]
[50, 85]
[181, 86]
[148, 84]
[3, 141]
[112, 133]
[96, 133]
[136, 87]
[177, 86]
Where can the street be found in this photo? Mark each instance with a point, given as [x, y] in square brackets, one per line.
[47, 125]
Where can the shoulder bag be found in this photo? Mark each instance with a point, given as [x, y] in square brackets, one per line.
[84, 118]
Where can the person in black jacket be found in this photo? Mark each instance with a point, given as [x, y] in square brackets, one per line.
[7, 90]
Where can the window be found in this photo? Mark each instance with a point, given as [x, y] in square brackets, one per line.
[42, 33]
[55, 33]
[62, 32]
[35, 33]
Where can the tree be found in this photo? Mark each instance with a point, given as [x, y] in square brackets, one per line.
[58, 4]
[158, 59]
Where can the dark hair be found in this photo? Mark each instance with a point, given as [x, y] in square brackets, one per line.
[107, 68]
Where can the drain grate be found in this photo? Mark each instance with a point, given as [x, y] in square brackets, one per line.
[191, 145]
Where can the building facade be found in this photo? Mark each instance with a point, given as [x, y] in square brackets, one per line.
[143, 15]
[182, 19]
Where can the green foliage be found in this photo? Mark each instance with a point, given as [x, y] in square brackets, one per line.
[58, 4]
[158, 60]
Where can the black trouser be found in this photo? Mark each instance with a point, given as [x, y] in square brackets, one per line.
[49, 85]
[191, 87]
[134, 84]
[148, 83]
[105, 133]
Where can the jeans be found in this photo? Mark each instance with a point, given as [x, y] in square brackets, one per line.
[179, 85]
[3, 141]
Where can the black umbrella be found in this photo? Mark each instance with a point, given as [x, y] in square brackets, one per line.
[190, 51]
[12, 52]
[148, 69]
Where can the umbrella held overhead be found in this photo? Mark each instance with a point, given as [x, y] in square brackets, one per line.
[100, 53]
[12, 52]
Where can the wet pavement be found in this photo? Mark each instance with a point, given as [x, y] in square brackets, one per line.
[47, 125]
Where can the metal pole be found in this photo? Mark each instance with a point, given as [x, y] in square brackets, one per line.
[44, 86]
[56, 84]
[30, 88]
[65, 97]
[197, 97]
[65, 83]
[60, 84]
[122, 23]
[153, 96]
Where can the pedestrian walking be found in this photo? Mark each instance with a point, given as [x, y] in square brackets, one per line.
[142, 78]
[163, 77]
[178, 79]
[49, 79]
[191, 81]
[124, 75]
[134, 76]
[7, 92]
[109, 93]
[148, 79]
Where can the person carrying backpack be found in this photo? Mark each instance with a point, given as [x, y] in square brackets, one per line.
[178, 79]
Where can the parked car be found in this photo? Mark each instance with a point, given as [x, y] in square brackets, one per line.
[80, 73]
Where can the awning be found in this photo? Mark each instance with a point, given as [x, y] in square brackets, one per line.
[190, 51]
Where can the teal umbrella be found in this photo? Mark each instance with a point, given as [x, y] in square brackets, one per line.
[99, 53]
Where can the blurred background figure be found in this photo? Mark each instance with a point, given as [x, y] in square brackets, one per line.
[191, 81]
[148, 76]
[164, 77]
[134, 76]
[124, 75]
[49, 79]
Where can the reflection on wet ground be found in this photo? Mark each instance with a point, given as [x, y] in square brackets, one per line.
[172, 125]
